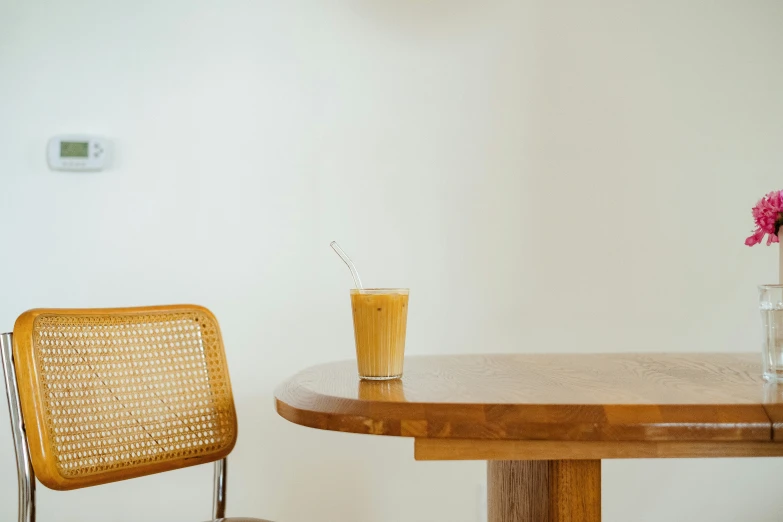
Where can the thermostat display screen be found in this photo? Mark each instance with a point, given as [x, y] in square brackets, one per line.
[78, 152]
[74, 149]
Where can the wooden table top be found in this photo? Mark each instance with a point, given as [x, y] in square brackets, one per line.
[552, 397]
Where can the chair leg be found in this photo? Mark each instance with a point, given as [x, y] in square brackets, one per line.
[24, 468]
[219, 493]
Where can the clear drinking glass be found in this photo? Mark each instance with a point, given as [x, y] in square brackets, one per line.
[771, 306]
[380, 317]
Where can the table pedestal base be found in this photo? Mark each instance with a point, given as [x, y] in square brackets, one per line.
[544, 490]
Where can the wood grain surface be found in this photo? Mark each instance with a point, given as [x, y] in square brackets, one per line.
[544, 491]
[548, 397]
[773, 405]
[471, 449]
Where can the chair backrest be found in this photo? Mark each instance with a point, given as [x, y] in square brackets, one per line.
[111, 394]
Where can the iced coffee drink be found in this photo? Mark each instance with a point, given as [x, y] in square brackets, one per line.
[380, 316]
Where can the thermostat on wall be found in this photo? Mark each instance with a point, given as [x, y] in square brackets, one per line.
[78, 152]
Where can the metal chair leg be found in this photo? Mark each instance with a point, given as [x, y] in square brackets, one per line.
[23, 466]
[219, 494]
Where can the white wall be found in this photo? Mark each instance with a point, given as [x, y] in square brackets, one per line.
[545, 176]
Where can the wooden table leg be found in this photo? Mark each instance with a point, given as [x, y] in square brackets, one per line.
[544, 490]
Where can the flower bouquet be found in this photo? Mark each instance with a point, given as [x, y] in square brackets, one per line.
[768, 215]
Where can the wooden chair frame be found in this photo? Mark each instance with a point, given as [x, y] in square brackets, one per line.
[25, 471]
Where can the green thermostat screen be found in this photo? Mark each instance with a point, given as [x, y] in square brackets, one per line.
[74, 149]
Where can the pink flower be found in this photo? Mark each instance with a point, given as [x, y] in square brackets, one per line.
[768, 215]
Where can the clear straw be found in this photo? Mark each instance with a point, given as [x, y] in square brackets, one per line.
[347, 260]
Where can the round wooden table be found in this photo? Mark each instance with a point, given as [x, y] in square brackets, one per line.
[544, 422]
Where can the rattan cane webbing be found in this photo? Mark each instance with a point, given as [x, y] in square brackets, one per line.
[130, 391]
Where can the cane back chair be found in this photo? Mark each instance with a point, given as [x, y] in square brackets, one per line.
[101, 395]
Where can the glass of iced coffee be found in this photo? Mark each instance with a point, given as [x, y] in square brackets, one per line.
[380, 316]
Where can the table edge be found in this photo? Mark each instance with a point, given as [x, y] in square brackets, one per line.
[750, 422]
[472, 449]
